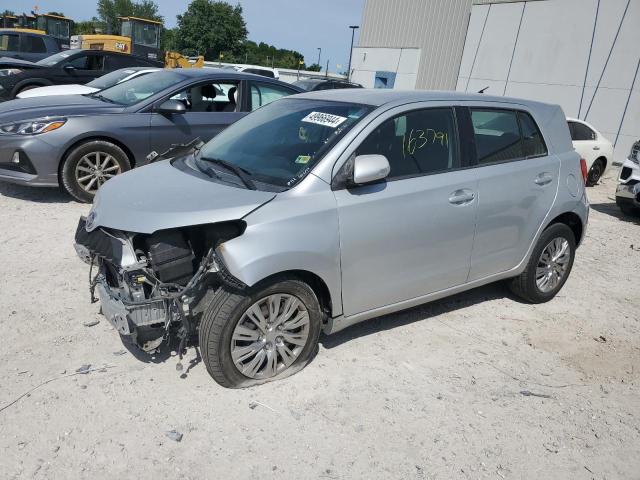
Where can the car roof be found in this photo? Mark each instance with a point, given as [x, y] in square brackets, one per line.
[227, 73]
[379, 96]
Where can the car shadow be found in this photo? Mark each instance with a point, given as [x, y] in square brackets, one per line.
[35, 194]
[164, 353]
[420, 313]
[611, 209]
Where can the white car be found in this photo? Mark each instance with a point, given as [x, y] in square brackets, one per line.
[596, 150]
[100, 83]
[628, 191]
[255, 69]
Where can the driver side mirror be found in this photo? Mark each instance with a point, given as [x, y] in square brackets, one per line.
[69, 68]
[171, 107]
[369, 169]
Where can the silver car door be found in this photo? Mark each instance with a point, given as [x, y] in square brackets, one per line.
[413, 233]
[517, 184]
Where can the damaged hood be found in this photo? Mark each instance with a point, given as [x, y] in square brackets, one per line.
[160, 196]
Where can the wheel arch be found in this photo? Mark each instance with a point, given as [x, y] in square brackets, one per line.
[317, 284]
[573, 221]
[36, 82]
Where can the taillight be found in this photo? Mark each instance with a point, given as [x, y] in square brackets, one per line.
[583, 167]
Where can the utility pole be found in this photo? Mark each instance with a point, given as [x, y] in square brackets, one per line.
[326, 70]
[353, 32]
[319, 52]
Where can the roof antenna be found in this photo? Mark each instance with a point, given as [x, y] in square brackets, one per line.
[484, 89]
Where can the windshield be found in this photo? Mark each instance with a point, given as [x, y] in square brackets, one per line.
[307, 84]
[110, 79]
[54, 59]
[281, 142]
[139, 88]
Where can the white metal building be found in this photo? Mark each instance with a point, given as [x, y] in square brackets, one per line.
[581, 54]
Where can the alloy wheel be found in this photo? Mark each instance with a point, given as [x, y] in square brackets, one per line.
[553, 264]
[270, 336]
[95, 168]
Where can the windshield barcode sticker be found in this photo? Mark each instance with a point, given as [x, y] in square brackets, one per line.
[324, 119]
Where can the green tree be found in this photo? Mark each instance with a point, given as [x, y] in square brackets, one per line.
[314, 67]
[211, 27]
[110, 10]
[59, 14]
[8, 13]
[89, 27]
[268, 55]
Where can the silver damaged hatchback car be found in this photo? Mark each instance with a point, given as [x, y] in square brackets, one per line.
[325, 209]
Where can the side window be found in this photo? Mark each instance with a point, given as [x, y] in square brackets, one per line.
[9, 42]
[580, 132]
[33, 45]
[116, 62]
[95, 62]
[532, 142]
[264, 93]
[497, 135]
[211, 97]
[80, 62]
[416, 143]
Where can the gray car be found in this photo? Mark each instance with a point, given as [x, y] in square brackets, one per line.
[325, 209]
[81, 141]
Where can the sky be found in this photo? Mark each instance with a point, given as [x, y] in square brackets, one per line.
[302, 25]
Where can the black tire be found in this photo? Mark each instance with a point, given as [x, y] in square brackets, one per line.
[595, 172]
[524, 285]
[68, 178]
[225, 311]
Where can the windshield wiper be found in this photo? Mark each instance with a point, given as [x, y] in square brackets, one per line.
[241, 173]
[103, 98]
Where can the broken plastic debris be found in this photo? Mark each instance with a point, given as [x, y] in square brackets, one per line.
[174, 435]
[84, 368]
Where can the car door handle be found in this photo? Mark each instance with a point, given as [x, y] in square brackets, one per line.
[461, 197]
[543, 179]
[596, 148]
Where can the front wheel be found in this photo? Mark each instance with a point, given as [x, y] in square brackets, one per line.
[89, 166]
[267, 333]
[549, 266]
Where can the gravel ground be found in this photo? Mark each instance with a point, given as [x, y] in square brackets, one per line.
[475, 386]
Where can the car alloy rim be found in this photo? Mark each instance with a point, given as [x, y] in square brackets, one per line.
[270, 336]
[94, 169]
[553, 264]
[595, 173]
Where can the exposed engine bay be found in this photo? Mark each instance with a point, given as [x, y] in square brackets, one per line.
[152, 286]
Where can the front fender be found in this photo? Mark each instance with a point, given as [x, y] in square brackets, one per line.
[293, 232]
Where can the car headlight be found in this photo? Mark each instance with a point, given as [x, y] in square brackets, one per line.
[5, 72]
[32, 127]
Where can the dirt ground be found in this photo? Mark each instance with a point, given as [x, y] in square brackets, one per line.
[476, 386]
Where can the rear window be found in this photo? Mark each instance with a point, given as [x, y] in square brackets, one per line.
[580, 132]
[504, 135]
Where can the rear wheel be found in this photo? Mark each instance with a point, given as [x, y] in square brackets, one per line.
[595, 172]
[266, 334]
[549, 266]
[89, 166]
